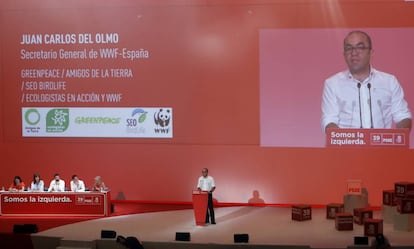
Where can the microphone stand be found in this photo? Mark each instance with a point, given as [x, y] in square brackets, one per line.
[359, 99]
[370, 104]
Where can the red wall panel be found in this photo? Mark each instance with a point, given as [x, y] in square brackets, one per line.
[204, 63]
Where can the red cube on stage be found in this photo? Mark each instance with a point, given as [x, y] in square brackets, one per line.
[404, 189]
[372, 227]
[405, 205]
[361, 214]
[388, 198]
[301, 212]
[344, 221]
[332, 209]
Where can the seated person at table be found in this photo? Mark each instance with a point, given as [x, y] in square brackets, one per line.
[17, 185]
[57, 184]
[77, 185]
[37, 184]
[99, 185]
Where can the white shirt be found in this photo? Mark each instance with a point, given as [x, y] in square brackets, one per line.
[80, 187]
[37, 187]
[206, 183]
[57, 186]
[340, 101]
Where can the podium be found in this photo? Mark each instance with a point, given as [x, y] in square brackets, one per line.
[200, 202]
[337, 137]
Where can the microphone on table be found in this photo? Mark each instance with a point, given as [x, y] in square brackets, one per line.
[359, 101]
[370, 104]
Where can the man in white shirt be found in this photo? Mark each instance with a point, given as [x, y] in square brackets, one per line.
[57, 184]
[363, 97]
[77, 185]
[206, 183]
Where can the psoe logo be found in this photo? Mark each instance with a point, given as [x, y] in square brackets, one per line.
[32, 116]
[57, 120]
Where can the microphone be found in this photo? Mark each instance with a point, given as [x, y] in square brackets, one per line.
[359, 98]
[370, 104]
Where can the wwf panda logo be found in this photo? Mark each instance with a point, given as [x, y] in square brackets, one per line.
[162, 117]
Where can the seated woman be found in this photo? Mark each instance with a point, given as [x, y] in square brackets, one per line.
[99, 185]
[17, 185]
[37, 184]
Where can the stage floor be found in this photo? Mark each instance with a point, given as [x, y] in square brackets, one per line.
[265, 226]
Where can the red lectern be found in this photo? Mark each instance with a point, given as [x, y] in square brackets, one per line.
[367, 137]
[200, 200]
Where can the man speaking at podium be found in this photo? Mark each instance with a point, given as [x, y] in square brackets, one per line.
[363, 97]
[206, 183]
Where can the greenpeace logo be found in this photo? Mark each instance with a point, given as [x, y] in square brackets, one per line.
[97, 120]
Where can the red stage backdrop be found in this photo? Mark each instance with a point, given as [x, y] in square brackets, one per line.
[146, 93]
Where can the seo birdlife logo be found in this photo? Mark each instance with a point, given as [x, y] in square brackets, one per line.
[134, 123]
